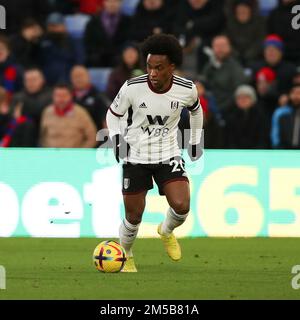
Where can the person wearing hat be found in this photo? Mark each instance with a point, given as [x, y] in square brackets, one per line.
[56, 50]
[280, 22]
[273, 46]
[246, 125]
[266, 87]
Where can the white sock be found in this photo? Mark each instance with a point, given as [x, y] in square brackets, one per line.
[172, 221]
[128, 233]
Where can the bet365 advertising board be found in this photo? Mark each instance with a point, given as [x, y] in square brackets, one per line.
[77, 193]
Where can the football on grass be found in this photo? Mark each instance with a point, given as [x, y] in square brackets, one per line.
[109, 256]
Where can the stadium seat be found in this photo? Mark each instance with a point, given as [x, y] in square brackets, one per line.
[265, 6]
[99, 77]
[129, 7]
[75, 24]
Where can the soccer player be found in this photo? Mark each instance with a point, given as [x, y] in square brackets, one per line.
[147, 141]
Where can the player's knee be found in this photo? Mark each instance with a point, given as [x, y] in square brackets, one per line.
[134, 217]
[181, 206]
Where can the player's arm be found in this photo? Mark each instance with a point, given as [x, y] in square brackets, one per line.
[196, 123]
[117, 109]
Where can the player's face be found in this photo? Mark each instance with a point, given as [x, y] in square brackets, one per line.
[160, 71]
[61, 97]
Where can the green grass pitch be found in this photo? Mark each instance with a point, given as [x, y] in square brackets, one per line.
[211, 268]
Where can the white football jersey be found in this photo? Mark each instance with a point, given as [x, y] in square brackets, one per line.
[151, 117]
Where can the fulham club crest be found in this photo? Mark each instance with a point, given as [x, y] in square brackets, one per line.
[174, 105]
[126, 183]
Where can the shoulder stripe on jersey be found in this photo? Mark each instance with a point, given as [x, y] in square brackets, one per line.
[141, 76]
[130, 81]
[182, 80]
[136, 82]
[195, 106]
[138, 78]
[182, 85]
[115, 114]
[185, 83]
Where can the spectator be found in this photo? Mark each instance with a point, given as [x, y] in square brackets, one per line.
[17, 11]
[280, 23]
[266, 87]
[62, 6]
[246, 31]
[246, 126]
[273, 58]
[129, 67]
[25, 45]
[223, 74]
[65, 124]
[196, 22]
[87, 96]
[151, 17]
[212, 122]
[34, 97]
[105, 35]
[10, 73]
[15, 130]
[90, 6]
[57, 51]
[285, 132]
[296, 78]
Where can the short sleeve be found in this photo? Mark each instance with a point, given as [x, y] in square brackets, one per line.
[193, 102]
[121, 103]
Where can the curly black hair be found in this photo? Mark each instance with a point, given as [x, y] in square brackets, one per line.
[163, 44]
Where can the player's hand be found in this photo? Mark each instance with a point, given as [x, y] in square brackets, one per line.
[121, 147]
[195, 151]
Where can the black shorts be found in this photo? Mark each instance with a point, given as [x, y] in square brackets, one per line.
[139, 177]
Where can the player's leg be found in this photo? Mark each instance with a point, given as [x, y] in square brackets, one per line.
[172, 181]
[178, 196]
[134, 208]
[137, 180]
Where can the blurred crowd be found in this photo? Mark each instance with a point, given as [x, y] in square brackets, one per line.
[243, 55]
